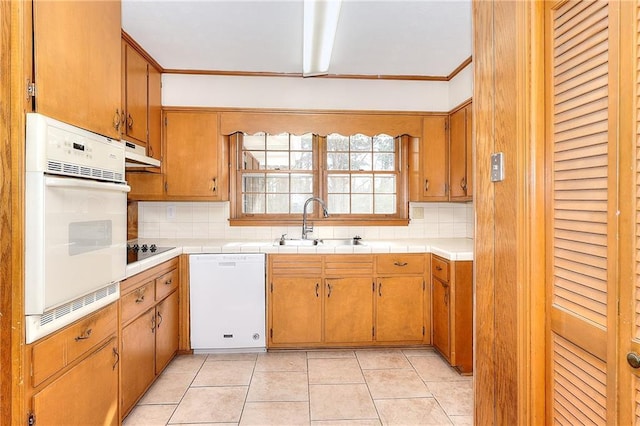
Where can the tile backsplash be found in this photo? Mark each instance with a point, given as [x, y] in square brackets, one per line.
[210, 220]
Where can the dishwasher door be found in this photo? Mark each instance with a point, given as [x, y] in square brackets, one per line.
[227, 301]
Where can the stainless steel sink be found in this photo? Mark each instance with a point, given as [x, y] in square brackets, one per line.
[323, 242]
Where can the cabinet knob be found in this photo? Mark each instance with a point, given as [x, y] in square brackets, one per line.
[633, 359]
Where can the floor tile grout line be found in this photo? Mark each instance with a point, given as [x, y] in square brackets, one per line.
[246, 395]
[375, 407]
[186, 390]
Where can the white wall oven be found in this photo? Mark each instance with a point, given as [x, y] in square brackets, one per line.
[75, 224]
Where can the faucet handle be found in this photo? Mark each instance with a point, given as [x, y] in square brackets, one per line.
[282, 237]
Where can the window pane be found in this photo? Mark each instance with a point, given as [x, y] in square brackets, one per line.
[362, 203]
[337, 161]
[301, 160]
[253, 160]
[385, 203]
[383, 161]
[338, 204]
[302, 183]
[302, 142]
[278, 183]
[278, 203]
[278, 142]
[278, 160]
[360, 161]
[338, 183]
[383, 143]
[253, 182]
[297, 202]
[360, 142]
[336, 142]
[362, 184]
[253, 203]
[385, 184]
[253, 142]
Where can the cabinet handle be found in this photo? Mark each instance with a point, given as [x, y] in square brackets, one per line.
[153, 324]
[214, 186]
[380, 290]
[438, 268]
[329, 287]
[117, 356]
[84, 336]
[317, 289]
[400, 263]
[426, 185]
[463, 184]
[169, 281]
[116, 120]
[129, 121]
[160, 322]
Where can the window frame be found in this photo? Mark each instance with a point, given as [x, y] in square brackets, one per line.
[320, 173]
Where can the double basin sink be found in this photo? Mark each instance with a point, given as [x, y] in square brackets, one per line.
[356, 241]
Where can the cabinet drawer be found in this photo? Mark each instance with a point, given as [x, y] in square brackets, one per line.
[60, 349]
[166, 284]
[136, 302]
[440, 268]
[400, 264]
[296, 264]
[350, 264]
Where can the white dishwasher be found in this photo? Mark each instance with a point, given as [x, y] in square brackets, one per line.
[227, 302]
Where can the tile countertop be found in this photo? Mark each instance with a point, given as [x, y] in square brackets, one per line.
[456, 249]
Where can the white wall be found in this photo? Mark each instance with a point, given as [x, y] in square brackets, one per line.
[210, 220]
[315, 93]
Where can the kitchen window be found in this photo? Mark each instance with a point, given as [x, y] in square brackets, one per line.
[360, 177]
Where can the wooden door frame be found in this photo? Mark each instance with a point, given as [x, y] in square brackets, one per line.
[509, 242]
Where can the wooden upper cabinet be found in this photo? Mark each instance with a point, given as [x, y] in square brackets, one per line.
[430, 154]
[194, 164]
[136, 96]
[77, 63]
[154, 141]
[460, 155]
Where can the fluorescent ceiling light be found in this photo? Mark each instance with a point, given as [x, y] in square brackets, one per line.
[320, 24]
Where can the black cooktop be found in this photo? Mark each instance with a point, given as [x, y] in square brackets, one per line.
[137, 252]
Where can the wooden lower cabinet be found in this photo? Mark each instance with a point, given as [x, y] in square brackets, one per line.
[137, 363]
[346, 300]
[149, 306]
[400, 309]
[441, 315]
[452, 296]
[80, 363]
[348, 310]
[87, 394]
[166, 331]
[296, 308]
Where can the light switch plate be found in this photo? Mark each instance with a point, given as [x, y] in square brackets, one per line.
[497, 167]
[171, 212]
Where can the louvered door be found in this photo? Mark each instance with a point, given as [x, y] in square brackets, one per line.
[581, 60]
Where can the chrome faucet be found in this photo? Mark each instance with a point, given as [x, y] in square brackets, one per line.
[309, 228]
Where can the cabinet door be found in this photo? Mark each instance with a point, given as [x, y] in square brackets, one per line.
[348, 310]
[137, 358]
[135, 123]
[440, 300]
[192, 155]
[434, 159]
[77, 51]
[87, 394]
[400, 309]
[296, 310]
[469, 149]
[166, 331]
[154, 140]
[458, 154]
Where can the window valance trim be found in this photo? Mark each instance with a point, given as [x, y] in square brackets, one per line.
[320, 123]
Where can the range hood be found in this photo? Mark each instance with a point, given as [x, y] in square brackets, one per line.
[136, 156]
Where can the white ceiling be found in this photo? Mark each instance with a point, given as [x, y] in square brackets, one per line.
[379, 37]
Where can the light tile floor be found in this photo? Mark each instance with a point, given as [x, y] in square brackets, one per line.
[338, 387]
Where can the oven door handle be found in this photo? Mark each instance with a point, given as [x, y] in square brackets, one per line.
[81, 183]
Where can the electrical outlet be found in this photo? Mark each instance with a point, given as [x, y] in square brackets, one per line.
[171, 212]
[497, 167]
